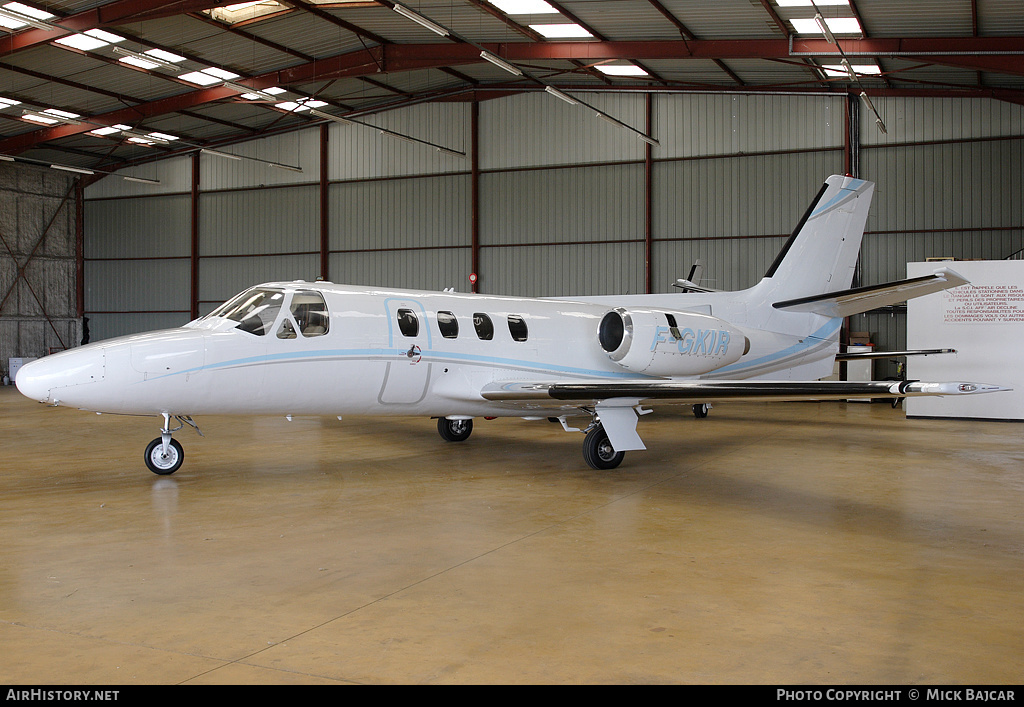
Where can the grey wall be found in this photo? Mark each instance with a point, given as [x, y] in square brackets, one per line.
[37, 262]
[561, 200]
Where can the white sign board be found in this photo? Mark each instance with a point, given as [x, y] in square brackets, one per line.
[984, 322]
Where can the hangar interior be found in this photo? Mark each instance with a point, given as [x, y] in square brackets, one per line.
[159, 158]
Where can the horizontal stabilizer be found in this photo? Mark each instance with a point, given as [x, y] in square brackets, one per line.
[854, 355]
[682, 392]
[862, 299]
[690, 286]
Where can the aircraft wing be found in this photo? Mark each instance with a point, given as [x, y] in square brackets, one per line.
[862, 299]
[709, 391]
[617, 403]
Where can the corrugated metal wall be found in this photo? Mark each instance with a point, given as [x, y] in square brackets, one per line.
[561, 200]
[949, 185]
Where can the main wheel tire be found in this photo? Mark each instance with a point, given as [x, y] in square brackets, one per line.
[164, 464]
[454, 430]
[598, 451]
[700, 410]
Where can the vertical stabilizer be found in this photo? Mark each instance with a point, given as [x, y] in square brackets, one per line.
[821, 255]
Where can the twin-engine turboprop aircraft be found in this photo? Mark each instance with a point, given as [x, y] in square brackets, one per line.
[324, 349]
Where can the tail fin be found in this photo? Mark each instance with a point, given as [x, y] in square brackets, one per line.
[821, 255]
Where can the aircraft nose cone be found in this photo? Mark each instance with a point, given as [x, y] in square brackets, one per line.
[44, 378]
[32, 380]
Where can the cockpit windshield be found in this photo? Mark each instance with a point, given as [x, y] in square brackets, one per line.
[255, 310]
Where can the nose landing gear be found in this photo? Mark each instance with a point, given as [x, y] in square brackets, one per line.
[164, 454]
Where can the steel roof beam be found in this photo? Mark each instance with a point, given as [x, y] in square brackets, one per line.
[403, 57]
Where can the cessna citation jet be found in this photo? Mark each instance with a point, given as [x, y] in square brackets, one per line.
[324, 349]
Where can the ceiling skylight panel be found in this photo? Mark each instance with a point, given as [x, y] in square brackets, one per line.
[523, 7]
[14, 15]
[621, 70]
[837, 25]
[89, 40]
[562, 31]
[208, 76]
[807, 3]
[837, 70]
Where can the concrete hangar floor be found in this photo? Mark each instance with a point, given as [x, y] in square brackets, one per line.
[784, 543]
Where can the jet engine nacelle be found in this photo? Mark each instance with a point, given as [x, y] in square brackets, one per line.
[660, 343]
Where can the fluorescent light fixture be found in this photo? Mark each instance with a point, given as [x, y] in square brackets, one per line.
[14, 15]
[218, 153]
[65, 168]
[619, 124]
[562, 31]
[649, 140]
[824, 29]
[564, 96]
[140, 63]
[329, 116]
[621, 70]
[141, 180]
[878, 118]
[102, 132]
[7, 158]
[151, 59]
[40, 118]
[420, 20]
[61, 114]
[164, 137]
[8, 102]
[500, 63]
[835, 25]
[523, 7]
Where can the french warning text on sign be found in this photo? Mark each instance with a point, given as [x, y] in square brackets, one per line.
[984, 304]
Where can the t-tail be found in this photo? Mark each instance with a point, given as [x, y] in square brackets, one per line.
[821, 255]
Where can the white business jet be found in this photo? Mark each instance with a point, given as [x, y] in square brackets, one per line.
[294, 348]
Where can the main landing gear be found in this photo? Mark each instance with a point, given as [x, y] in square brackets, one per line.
[457, 430]
[164, 454]
[598, 451]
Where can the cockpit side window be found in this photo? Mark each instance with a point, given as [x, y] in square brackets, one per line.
[310, 313]
[255, 310]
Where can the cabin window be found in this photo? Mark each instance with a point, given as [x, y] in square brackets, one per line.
[408, 322]
[254, 310]
[448, 325]
[517, 328]
[483, 325]
[310, 313]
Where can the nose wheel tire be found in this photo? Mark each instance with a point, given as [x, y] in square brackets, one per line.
[598, 451]
[454, 430]
[160, 463]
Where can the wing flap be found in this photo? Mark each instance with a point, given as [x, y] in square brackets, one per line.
[862, 299]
